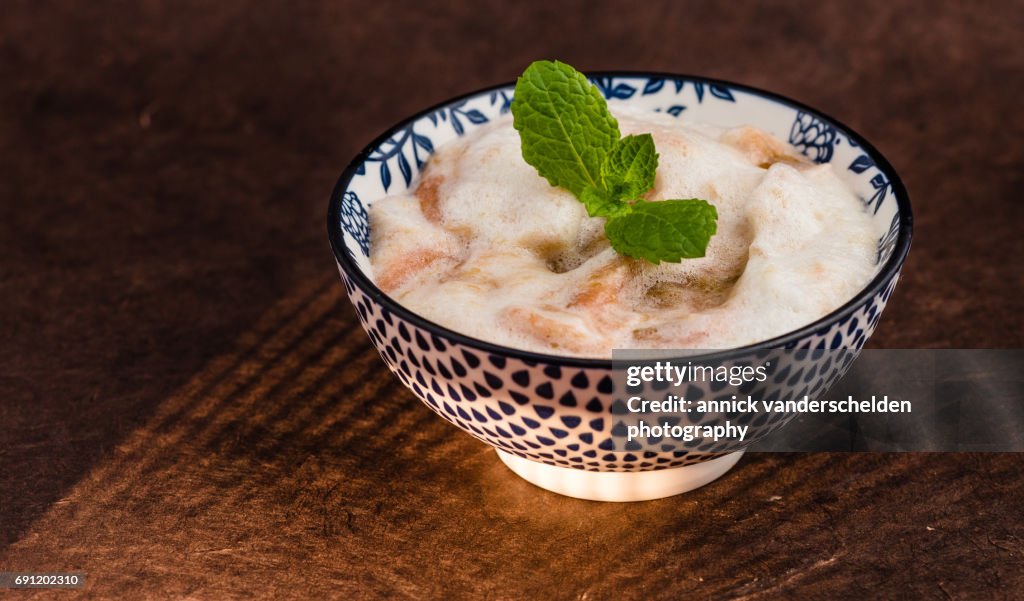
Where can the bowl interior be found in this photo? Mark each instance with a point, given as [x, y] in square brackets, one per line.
[391, 164]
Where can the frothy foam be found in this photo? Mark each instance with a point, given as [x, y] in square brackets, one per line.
[486, 247]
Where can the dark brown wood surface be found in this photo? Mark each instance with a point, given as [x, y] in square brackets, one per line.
[188, 410]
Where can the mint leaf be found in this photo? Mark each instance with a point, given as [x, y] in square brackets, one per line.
[667, 230]
[600, 203]
[628, 170]
[566, 128]
[571, 138]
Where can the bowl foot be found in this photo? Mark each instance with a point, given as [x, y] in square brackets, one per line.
[619, 486]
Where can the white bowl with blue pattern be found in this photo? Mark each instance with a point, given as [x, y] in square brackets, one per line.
[551, 417]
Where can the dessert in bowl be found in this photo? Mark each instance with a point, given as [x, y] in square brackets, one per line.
[494, 298]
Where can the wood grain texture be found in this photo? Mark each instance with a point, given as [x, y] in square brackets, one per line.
[188, 409]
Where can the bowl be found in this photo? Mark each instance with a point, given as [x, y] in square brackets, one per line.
[551, 418]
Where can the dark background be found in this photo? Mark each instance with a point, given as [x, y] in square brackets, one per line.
[186, 407]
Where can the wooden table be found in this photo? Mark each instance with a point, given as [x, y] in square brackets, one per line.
[188, 409]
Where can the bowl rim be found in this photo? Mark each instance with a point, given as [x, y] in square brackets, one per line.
[881, 279]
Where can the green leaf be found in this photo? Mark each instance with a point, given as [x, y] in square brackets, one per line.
[628, 170]
[571, 138]
[668, 230]
[565, 126]
[600, 203]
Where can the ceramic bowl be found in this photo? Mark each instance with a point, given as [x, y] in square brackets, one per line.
[551, 418]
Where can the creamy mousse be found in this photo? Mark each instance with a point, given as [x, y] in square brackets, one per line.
[487, 247]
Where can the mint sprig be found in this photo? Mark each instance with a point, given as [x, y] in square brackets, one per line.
[571, 138]
[564, 124]
[667, 230]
